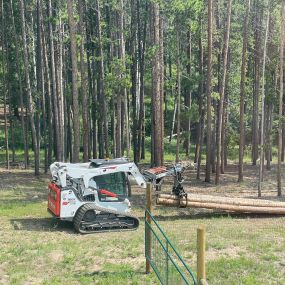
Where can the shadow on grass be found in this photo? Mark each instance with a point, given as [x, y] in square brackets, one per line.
[209, 215]
[110, 273]
[41, 225]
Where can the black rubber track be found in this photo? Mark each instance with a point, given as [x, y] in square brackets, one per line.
[78, 219]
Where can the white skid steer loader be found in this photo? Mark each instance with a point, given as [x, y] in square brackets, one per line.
[94, 195]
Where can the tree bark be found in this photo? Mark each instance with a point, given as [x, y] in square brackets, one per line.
[255, 125]
[280, 124]
[157, 157]
[141, 55]
[103, 116]
[209, 91]
[58, 142]
[75, 103]
[178, 95]
[29, 92]
[4, 91]
[21, 96]
[222, 91]
[260, 179]
[242, 92]
[188, 96]
[84, 86]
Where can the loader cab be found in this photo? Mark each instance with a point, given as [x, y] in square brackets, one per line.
[111, 187]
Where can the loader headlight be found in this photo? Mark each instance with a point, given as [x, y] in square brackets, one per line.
[127, 202]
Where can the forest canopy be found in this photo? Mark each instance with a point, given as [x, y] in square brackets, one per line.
[107, 78]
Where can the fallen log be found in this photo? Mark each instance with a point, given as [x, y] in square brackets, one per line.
[221, 206]
[226, 200]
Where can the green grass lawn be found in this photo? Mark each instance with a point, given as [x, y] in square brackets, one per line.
[36, 249]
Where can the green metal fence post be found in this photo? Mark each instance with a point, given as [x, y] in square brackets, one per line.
[167, 262]
[147, 227]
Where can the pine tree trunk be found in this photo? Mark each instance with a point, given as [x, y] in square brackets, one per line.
[161, 55]
[134, 77]
[84, 87]
[156, 93]
[57, 139]
[103, 118]
[255, 125]
[4, 86]
[200, 137]
[209, 91]
[75, 103]
[260, 179]
[21, 96]
[49, 112]
[29, 92]
[178, 95]
[40, 77]
[279, 186]
[141, 56]
[222, 90]
[188, 96]
[242, 93]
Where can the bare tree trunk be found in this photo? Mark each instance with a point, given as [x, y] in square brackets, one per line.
[209, 91]
[257, 51]
[156, 94]
[134, 41]
[200, 138]
[222, 91]
[161, 55]
[40, 77]
[4, 91]
[58, 141]
[29, 92]
[242, 93]
[173, 119]
[20, 86]
[279, 186]
[188, 98]
[84, 87]
[103, 122]
[75, 103]
[59, 81]
[123, 99]
[270, 119]
[48, 159]
[178, 95]
[141, 55]
[260, 179]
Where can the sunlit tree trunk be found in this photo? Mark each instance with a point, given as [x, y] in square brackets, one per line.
[281, 89]
[260, 178]
[222, 91]
[209, 92]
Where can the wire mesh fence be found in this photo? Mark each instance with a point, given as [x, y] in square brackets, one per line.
[163, 257]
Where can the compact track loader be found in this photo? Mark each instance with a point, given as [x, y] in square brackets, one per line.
[94, 195]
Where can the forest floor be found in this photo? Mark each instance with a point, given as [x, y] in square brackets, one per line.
[37, 249]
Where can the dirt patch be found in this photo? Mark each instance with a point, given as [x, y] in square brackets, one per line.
[56, 255]
[4, 277]
[229, 252]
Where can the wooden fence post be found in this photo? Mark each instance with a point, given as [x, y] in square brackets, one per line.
[147, 229]
[201, 246]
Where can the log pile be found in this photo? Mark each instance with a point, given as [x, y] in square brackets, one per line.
[240, 205]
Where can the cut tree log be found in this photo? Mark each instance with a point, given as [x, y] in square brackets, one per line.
[239, 205]
[227, 200]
